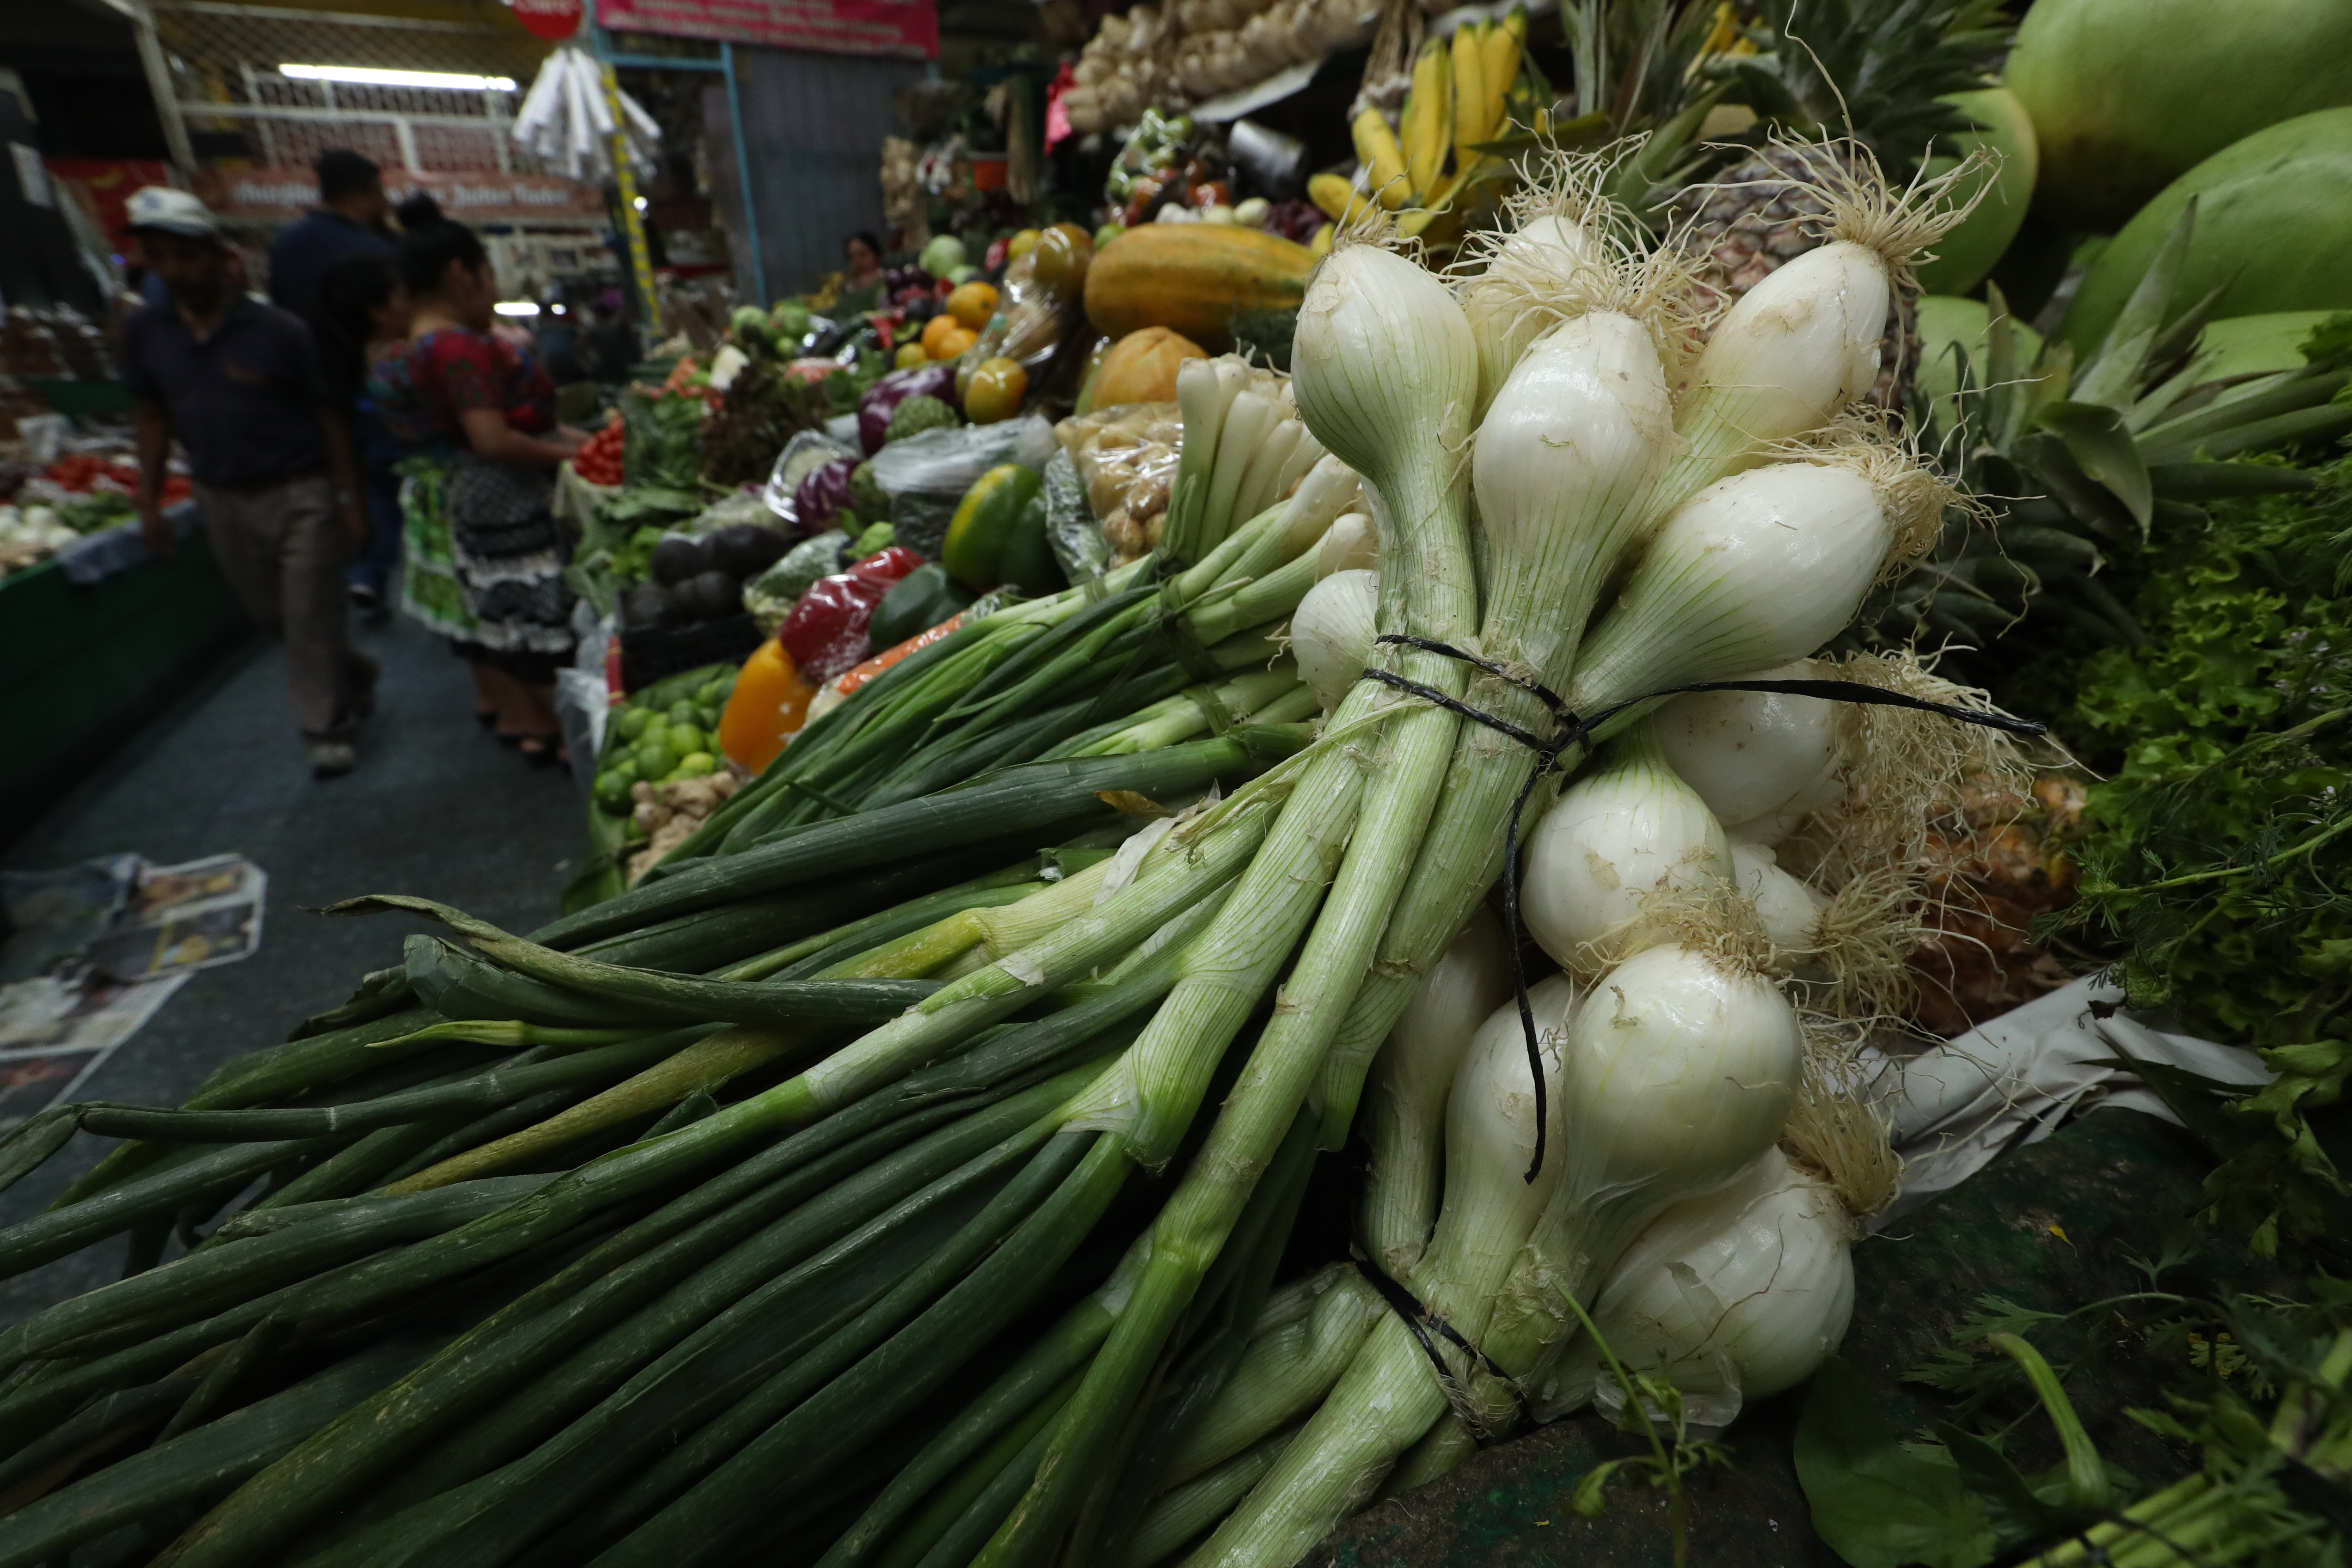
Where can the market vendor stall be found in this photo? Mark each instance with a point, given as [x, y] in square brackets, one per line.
[1499, 916]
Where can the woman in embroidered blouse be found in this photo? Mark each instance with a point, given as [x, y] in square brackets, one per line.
[489, 409]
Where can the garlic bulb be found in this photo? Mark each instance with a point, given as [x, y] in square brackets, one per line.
[1761, 757]
[1624, 846]
[1331, 633]
[1733, 1297]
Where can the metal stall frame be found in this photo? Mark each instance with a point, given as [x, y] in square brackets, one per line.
[601, 43]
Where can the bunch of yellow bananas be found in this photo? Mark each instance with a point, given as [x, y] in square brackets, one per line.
[1465, 91]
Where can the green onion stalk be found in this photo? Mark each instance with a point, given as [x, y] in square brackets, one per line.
[1385, 372]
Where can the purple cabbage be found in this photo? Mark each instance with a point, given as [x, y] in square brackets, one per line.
[882, 400]
[823, 491]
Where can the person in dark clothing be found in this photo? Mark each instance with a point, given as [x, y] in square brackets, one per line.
[360, 315]
[348, 221]
[239, 383]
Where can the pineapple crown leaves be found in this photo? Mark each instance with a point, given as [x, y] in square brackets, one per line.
[1877, 71]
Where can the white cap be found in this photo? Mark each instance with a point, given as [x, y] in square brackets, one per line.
[173, 212]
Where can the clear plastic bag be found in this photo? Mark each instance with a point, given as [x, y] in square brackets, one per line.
[771, 595]
[1071, 530]
[805, 451]
[1125, 457]
[926, 476]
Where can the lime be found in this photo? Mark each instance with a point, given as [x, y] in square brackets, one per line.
[682, 712]
[697, 764]
[612, 791]
[655, 759]
[713, 693]
[684, 738]
[630, 722]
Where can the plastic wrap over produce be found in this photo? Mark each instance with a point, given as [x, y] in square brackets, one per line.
[926, 475]
[1958, 1107]
[1126, 458]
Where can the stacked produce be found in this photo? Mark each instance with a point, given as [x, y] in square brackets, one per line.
[1375, 843]
[842, 1186]
[1465, 91]
[1126, 70]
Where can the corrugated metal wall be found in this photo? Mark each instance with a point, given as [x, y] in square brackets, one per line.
[813, 125]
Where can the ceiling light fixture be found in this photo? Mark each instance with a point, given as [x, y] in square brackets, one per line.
[372, 75]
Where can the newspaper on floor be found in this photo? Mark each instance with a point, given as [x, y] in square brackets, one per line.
[93, 950]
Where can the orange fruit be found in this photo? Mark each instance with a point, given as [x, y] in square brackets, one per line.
[972, 303]
[935, 332]
[951, 342]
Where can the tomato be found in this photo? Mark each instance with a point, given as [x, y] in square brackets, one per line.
[996, 390]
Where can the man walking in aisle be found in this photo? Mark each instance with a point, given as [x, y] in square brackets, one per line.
[239, 383]
[348, 221]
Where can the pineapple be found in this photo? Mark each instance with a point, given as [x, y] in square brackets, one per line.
[1864, 71]
[1995, 863]
[2068, 465]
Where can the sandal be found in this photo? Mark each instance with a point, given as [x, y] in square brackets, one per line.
[541, 750]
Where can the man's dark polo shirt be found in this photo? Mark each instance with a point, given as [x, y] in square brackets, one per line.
[244, 402]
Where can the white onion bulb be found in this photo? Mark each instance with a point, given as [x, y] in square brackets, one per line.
[1784, 360]
[1787, 907]
[1412, 1080]
[1734, 1296]
[1352, 543]
[1331, 633]
[1500, 303]
[1619, 843]
[1753, 571]
[1767, 757]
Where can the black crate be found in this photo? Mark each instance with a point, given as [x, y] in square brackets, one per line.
[655, 653]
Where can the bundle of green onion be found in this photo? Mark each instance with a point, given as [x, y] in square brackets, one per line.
[849, 1198]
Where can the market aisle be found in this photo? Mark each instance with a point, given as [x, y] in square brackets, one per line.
[436, 808]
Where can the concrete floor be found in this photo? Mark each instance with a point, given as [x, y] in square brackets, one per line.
[436, 808]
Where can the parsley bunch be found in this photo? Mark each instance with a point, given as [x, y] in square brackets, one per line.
[2221, 856]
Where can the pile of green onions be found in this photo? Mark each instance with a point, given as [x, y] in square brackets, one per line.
[843, 1192]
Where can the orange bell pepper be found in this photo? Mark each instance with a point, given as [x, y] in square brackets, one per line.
[770, 703]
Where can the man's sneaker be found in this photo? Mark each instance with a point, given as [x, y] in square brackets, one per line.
[333, 759]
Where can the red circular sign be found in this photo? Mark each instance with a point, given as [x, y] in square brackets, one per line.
[556, 19]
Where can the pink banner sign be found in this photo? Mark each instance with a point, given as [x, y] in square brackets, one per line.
[902, 28]
[485, 197]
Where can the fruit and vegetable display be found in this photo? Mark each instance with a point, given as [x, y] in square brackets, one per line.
[44, 509]
[1254, 929]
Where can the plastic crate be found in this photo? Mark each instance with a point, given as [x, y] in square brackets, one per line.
[655, 653]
